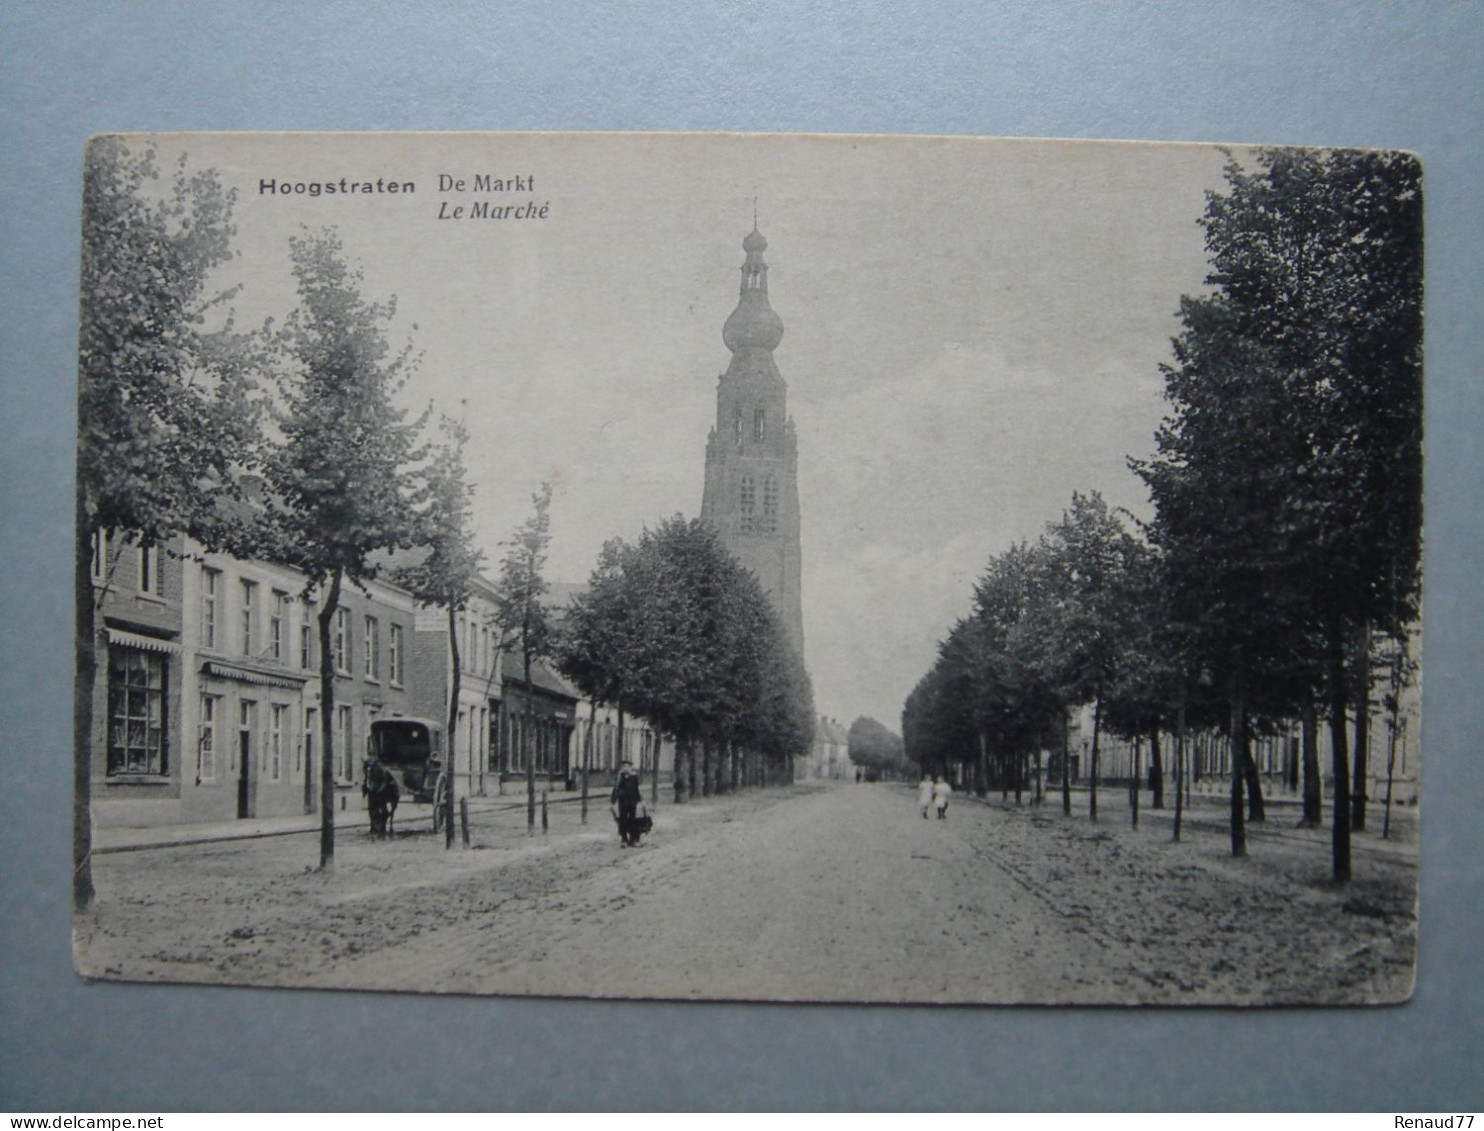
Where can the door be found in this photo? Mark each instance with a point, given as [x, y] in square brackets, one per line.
[244, 760]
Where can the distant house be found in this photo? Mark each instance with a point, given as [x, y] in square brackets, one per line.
[534, 722]
[829, 755]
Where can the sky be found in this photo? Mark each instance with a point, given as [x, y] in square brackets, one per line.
[973, 330]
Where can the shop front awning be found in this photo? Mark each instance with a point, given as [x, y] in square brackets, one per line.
[241, 674]
[138, 640]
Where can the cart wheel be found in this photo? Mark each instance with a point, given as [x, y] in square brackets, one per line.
[440, 805]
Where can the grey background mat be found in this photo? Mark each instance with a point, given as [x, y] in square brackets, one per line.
[1369, 74]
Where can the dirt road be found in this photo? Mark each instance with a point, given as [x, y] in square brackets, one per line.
[841, 894]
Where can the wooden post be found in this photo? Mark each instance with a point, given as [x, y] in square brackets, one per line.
[1133, 783]
[1181, 773]
[464, 819]
[544, 821]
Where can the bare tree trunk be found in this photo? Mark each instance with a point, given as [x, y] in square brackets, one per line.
[453, 721]
[1238, 752]
[587, 752]
[1391, 730]
[1362, 732]
[1066, 765]
[690, 770]
[1156, 769]
[85, 663]
[525, 741]
[1339, 756]
[1133, 784]
[622, 741]
[1181, 772]
[1257, 812]
[327, 725]
[1097, 720]
[1313, 812]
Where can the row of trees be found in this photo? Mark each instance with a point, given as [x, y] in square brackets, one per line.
[674, 630]
[1053, 626]
[1282, 567]
[877, 749]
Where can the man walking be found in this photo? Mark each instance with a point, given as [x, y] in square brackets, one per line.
[626, 795]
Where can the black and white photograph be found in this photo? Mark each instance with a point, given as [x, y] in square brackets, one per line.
[750, 567]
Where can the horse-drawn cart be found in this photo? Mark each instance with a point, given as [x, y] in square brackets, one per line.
[408, 752]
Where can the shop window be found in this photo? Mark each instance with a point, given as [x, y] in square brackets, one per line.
[136, 712]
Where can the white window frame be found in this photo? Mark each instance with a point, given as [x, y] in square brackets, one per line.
[373, 650]
[209, 595]
[249, 591]
[394, 657]
[340, 641]
[306, 747]
[206, 746]
[138, 712]
[278, 617]
[277, 714]
[343, 726]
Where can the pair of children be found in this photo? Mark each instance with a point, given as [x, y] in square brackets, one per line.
[934, 793]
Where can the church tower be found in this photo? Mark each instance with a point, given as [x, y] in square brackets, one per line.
[752, 494]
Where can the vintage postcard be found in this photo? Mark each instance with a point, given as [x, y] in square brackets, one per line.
[781, 568]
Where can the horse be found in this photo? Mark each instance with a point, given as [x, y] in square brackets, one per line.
[379, 785]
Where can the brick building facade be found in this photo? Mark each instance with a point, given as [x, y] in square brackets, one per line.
[208, 704]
